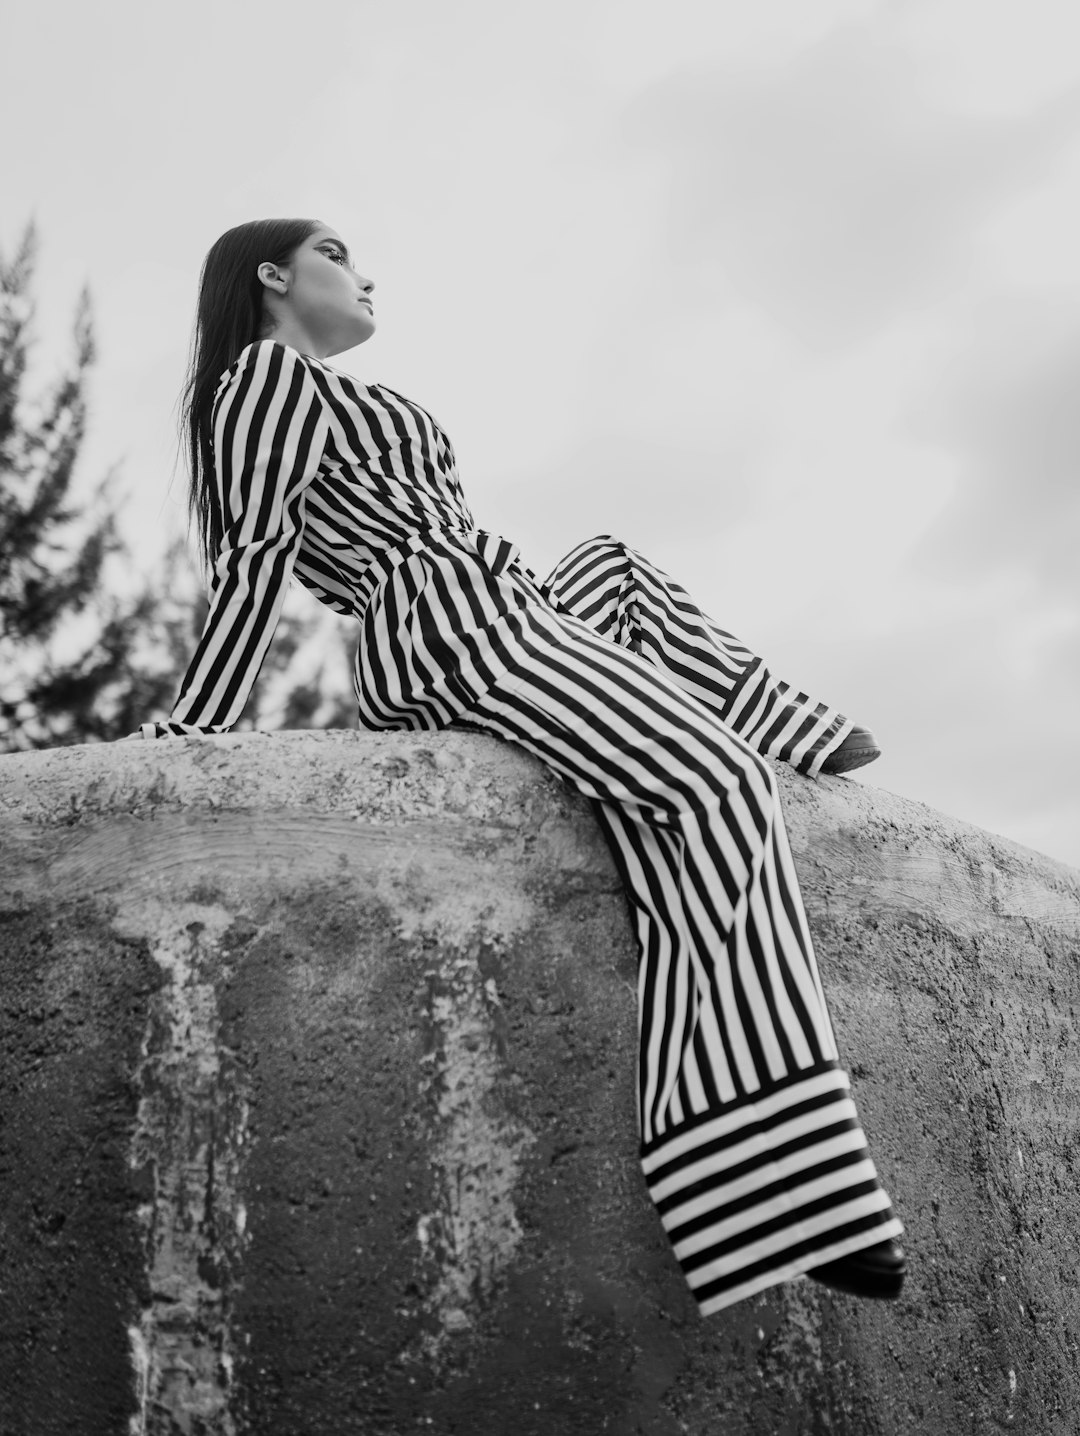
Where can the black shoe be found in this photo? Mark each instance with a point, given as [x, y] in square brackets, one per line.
[876, 1271]
[859, 747]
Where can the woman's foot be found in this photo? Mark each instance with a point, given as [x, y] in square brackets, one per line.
[876, 1271]
[859, 747]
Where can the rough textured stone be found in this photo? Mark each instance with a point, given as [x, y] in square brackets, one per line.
[316, 1083]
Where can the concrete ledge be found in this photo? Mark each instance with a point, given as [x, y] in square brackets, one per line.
[316, 1073]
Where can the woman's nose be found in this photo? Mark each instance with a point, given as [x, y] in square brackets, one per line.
[367, 285]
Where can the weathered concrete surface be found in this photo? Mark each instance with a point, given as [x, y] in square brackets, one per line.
[316, 1096]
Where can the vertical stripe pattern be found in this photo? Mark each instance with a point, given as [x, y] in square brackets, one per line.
[751, 1145]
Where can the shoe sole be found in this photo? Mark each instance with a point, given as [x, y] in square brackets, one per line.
[878, 1286]
[844, 762]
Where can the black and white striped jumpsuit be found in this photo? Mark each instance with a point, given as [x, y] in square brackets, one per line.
[751, 1145]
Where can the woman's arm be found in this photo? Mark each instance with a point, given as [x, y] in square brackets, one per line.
[270, 429]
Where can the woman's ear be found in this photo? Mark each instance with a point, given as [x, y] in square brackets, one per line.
[272, 277]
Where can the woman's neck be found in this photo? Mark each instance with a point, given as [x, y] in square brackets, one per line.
[289, 331]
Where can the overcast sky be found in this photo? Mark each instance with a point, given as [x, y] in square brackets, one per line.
[785, 294]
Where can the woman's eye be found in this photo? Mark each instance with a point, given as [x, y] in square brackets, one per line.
[334, 254]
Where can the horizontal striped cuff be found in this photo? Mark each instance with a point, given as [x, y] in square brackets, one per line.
[768, 1188]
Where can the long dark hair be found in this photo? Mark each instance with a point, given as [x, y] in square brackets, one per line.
[229, 317]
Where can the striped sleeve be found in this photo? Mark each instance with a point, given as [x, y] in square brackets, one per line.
[270, 429]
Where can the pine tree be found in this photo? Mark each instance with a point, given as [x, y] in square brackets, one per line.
[65, 646]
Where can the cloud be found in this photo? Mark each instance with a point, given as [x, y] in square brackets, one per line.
[976, 714]
[832, 190]
[1008, 412]
[644, 490]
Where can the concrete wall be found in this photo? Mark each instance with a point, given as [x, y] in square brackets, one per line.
[316, 1073]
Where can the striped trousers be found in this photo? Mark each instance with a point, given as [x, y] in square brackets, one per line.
[750, 1142]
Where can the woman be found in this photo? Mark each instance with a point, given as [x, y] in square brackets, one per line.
[751, 1145]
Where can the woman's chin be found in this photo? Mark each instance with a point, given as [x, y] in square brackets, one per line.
[358, 334]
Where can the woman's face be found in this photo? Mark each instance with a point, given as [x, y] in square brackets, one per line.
[325, 299]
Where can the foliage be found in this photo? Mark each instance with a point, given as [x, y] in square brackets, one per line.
[65, 645]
